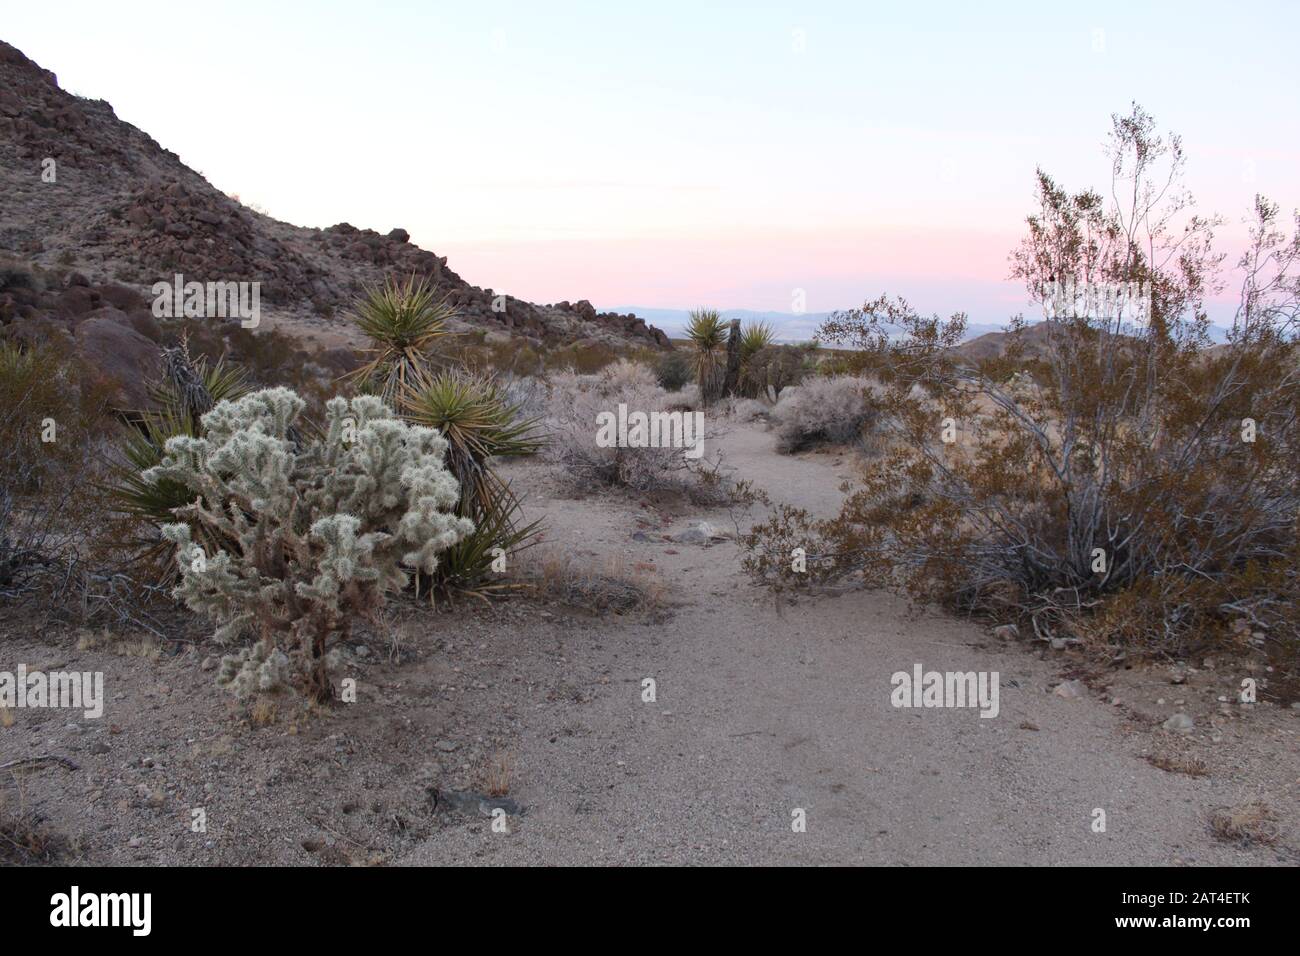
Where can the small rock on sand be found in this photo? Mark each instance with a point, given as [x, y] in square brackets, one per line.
[1070, 690]
[1179, 723]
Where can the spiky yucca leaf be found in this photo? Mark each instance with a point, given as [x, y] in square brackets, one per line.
[755, 337]
[189, 388]
[402, 321]
[707, 330]
[708, 334]
[479, 423]
[464, 567]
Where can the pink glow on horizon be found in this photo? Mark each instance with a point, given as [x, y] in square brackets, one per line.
[741, 272]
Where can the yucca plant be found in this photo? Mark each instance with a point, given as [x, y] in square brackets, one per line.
[478, 421]
[402, 321]
[755, 337]
[188, 389]
[480, 424]
[708, 334]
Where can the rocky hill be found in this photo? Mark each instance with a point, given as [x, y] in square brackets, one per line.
[122, 213]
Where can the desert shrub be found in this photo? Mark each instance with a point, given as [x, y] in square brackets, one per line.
[583, 358]
[26, 837]
[708, 334]
[1135, 487]
[673, 371]
[17, 275]
[822, 411]
[54, 417]
[524, 393]
[625, 376]
[610, 588]
[574, 409]
[322, 529]
[268, 357]
[480, 424]
[685, 399]
[771, 370]
[746, 410]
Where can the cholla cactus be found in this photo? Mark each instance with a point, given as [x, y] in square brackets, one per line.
[256, 668]
[323, 529]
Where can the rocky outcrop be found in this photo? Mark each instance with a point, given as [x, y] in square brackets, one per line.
[122, 209]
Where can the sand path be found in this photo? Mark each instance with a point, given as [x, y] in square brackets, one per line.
[761, 711]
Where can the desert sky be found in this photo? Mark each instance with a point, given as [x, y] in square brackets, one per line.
[690, 153]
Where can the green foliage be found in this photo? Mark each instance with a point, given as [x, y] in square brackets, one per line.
[673, 371]
[189, 389]
[480, 424]
[320, 530]
[585, 358]
[402, 321]
[755, 337]
[708, 334]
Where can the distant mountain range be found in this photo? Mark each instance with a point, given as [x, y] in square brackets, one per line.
[791, 328]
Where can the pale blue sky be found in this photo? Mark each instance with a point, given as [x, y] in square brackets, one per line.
[687, 153]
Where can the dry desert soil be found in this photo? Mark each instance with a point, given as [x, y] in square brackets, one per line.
[535, 708]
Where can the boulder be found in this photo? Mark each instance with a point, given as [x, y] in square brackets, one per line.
[122, 297]
[122, 355]
[76, 301]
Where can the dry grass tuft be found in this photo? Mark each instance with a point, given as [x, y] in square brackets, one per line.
[263, 712]
[495, 776]
[557, 575]
[1177, 763]
[1249, 824]
[25, 840]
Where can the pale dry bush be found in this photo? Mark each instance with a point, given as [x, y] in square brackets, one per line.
[745, 409]
[526, 393]
[685, 399]
[626, 375]
[573, 405]
[1251, 823]
[822, 411]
